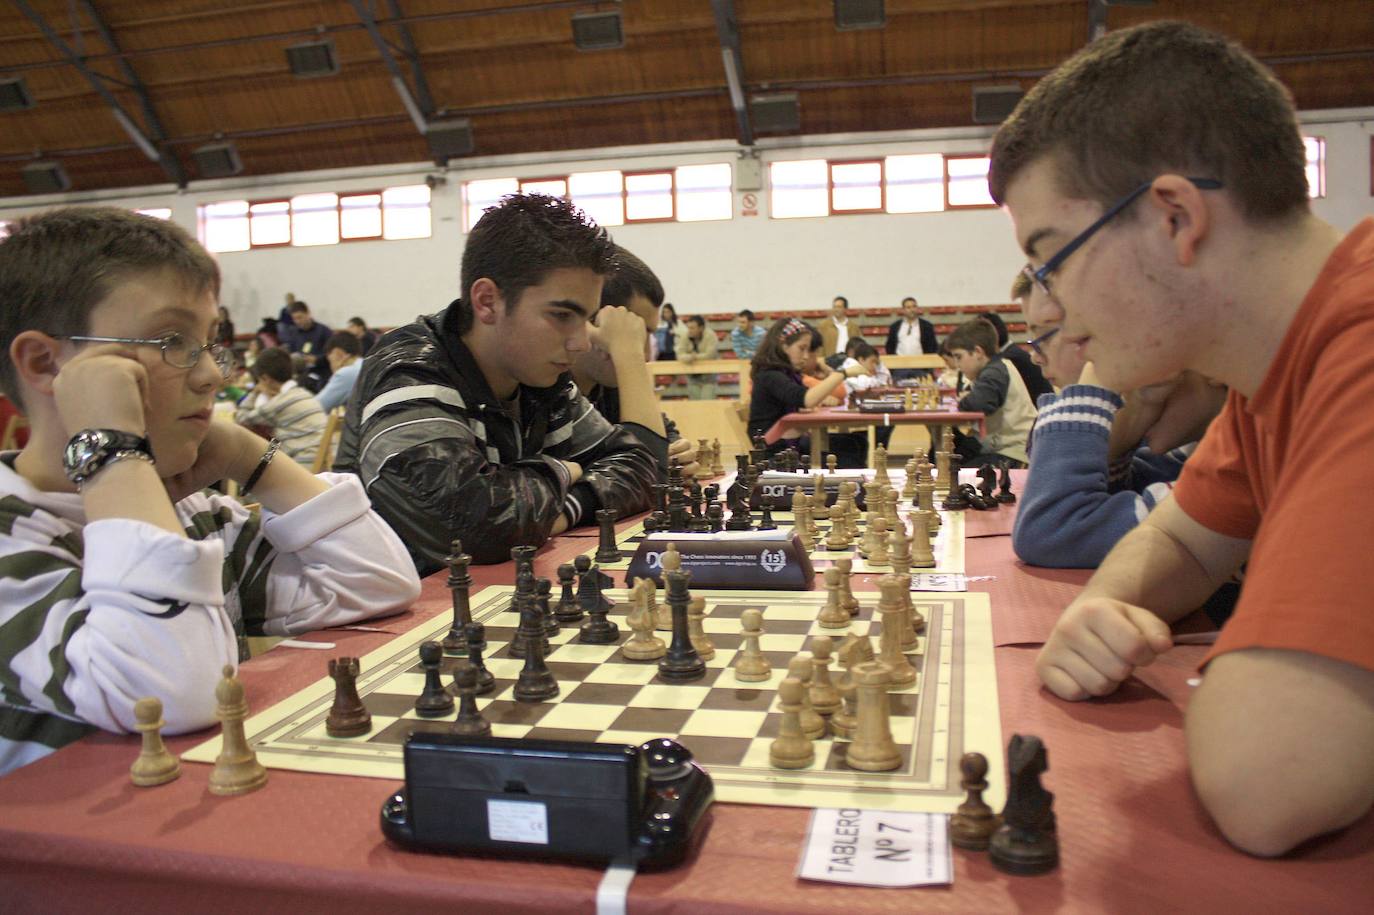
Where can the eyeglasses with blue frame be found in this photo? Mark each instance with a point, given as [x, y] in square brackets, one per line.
[1041, 277]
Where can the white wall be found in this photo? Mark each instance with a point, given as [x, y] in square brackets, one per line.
[951, 258]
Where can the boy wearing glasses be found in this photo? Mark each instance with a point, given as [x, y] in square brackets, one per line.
[121, 578]
[1091, 480]
[1157, 183]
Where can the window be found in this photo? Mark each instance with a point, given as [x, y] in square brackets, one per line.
[704, 192]
[479, 195]
[312, 220]
[601, 195]
[915, 184]
[648, 196]
[315, 220]
[552, 187]
[1316, 166]
[966, 178]
[856, 187]
[800, 188]
[157, 212]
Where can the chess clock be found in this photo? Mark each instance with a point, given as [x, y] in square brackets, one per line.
[549, 799]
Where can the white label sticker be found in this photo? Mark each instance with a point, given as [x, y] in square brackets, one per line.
[518, 821]
[877, 848]
[936, 581]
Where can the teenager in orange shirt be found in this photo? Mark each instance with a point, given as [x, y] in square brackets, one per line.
[1156, 182]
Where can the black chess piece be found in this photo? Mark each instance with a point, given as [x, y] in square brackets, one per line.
[1005, 495]
[536, 682]
[973, 823]
[987, 479]
[711, 493]
[526, 595]
[567, 611]
[477, 642]
[543, 589]
[348, 717]
[694, 499]
[597, 630]
[766, 522]
[1026, 842]
[954, 497]
[660, 496]
[434, 701]
[806, 464]
[970, 494]
[607, 550]
[460, 586]
[682, 663]
[523, 556]
[470, 722]
[715, 517]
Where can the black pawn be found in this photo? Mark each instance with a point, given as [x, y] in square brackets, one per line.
[460, 586]
[598, 630]
[606, 550]
[715, 517]
[536, 682]
[477, 641]
[470, 722]
[682, 662]
[711, 493]
[567, 610]
[434, 701]
[542, 589]
[531, 628]
[766, 522]
[1005, 495]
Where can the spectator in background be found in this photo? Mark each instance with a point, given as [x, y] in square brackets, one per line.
[224, 334]
[698, 343]
[835, 329]
[344, 351]
[910, 334]
[290, 411]
[358, 328]
[746, 336]
[267, 335]
[1034, 379]
[665, 335]
[306, 337]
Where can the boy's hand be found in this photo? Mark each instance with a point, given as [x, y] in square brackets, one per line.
[1097, 644]
[229, 452]
[684, 451]
[103, 387]
[620, 332]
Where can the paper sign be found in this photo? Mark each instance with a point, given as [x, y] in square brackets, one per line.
[931, 581]
[518, 821]
[877, 848]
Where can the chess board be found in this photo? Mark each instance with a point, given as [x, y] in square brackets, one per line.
[947, 545]
[726, 723]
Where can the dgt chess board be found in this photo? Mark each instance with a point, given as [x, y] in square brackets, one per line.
[727, 724]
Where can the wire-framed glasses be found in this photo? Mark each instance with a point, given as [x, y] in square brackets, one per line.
[177, 350]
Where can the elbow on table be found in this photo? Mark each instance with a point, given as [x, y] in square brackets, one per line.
[1048, 547]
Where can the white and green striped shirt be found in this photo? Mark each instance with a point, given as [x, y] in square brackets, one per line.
[95, 616]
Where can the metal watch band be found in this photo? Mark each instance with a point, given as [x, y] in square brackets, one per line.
[110, 459]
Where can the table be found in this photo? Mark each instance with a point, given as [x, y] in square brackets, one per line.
[822, 420]
[74, 831]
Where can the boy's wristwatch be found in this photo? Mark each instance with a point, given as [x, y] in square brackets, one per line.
[90, 450]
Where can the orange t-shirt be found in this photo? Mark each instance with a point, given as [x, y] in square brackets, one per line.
[1293, 469]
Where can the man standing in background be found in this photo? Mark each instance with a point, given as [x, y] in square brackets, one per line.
[835, 329]
[910, 335]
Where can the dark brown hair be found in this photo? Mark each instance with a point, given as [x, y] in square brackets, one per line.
[976, 333]
[769, 355]
[1160, 98]
[57, 266]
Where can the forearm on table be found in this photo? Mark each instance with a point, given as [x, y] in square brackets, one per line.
[1153, 569]
[821, 391]
[637, 401]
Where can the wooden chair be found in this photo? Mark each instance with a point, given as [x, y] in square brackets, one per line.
[324, 457]
[9, 441]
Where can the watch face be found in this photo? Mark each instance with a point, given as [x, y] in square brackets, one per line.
[82, 447]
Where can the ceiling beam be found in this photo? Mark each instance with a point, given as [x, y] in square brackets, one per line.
[419, 112]
[417, 71]
[154, 142]
[727, 29]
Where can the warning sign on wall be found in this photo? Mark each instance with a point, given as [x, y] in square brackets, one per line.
[749, 204]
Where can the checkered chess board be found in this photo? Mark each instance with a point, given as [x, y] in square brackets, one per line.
[727, 724]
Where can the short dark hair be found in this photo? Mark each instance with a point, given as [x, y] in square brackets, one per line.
[57, 266]
[852, 344]
[998, 325]
[630, 275]
[769, 355]
[696, 319]
[911, 299]
[517, 242]
[342, 339]
[840, 298]
[358, 321]
[862, 350]
[296, 308]
[746, 313]
[275, 363]
[972, 334]
[1158, 98]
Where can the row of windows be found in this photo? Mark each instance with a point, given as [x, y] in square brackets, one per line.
[308, 220]
[689, 193]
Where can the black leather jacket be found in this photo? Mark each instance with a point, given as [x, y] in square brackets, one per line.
[442, 459]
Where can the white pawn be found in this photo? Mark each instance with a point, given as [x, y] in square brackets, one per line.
[751, 665]
[154, 766]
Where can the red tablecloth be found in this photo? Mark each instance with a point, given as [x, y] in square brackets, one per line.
[75, 835]
[838, 416]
